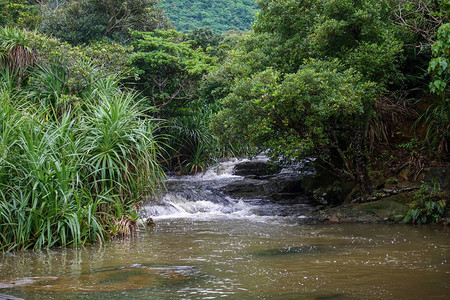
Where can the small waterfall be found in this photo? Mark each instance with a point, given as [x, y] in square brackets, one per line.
[203, 196]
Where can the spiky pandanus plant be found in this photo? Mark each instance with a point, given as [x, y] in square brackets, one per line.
[192, 143]
[77, 178]
[122, 156]
[16, 53]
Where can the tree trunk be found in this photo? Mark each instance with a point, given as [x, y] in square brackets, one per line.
[360, 162]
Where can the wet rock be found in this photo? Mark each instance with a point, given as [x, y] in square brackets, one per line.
[257, 168]
[386, 210]
[304, 249]
[149, 223]
[273, 187]
[334, 220]
[323, 195]
[247, 188]
[121, 279]
[314, 181]
[334, 193]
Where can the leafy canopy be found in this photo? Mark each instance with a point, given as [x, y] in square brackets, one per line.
[219, 15]
[169, 68]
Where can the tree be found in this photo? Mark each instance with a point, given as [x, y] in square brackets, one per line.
[438, 114]
[203, 37]
[359, 33]
[423, 18]
[321, 110]
[323, 63]
[219, 15]
[77, 21]
[169, 68]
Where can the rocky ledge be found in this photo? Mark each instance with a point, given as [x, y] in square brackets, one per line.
[264, 180]
[335, 201]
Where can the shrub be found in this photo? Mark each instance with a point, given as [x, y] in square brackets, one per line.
[428, 206]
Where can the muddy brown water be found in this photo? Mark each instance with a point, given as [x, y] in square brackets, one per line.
[242, 258]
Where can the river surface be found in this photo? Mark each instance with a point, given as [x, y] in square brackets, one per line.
[207, 245]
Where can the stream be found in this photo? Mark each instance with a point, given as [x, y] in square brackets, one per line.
[210, 245]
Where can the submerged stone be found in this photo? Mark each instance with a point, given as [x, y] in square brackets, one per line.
[306, 249]
[105, 280]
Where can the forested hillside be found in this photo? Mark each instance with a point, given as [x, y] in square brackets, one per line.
[219, 15]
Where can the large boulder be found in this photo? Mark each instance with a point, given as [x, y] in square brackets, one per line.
[256, 168]
[274, 187]
[247, 188]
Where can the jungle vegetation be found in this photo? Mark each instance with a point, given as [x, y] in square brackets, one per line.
[219, 15]
[99, 99]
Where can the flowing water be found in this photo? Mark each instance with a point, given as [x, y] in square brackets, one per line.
[207, 245]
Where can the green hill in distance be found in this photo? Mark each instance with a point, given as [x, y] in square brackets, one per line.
[219, 15]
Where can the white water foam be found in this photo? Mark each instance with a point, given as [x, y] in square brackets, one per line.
[202, 197]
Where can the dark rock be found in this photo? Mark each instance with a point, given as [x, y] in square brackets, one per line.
[324, 195]
[312, 182]
[149, 223]
[377, 179]
[438, 175]
[334, 193]
[258, 168]
[247, 188]
[274, 187]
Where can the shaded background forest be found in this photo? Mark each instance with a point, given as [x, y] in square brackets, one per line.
[219, 15]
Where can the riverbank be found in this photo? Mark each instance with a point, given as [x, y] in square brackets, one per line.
[394, 200]
[390, 203]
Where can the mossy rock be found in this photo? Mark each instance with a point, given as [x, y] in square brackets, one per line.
[377, 179]
[402, 198]
[385, 208]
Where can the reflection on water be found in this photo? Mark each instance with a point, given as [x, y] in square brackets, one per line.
[268, 258]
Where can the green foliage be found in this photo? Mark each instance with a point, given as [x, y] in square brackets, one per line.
[74, 68]
[192, 145]
[440, 64]
[304, 82]
[75, 163]
[219, 15]
[437, 114]
[359, 33]
[169, 68]
[18, 13]
[203, 37]
[80, 21]
[321, 107]
[428, 206]
[16, 53]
